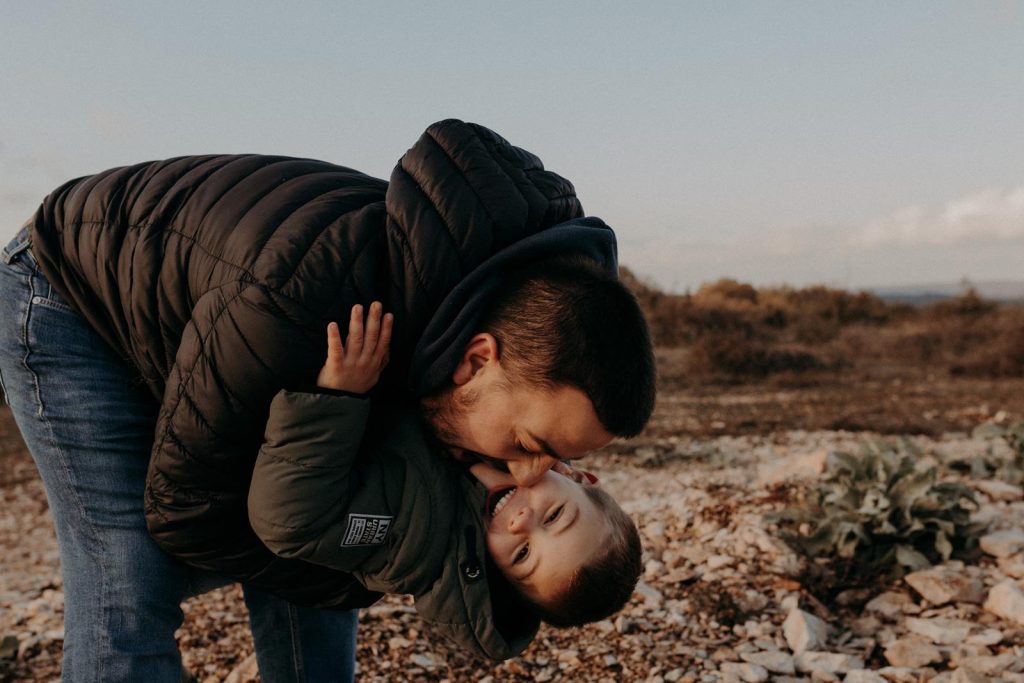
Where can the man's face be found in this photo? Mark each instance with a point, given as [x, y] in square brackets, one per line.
[540, 535]
[521, 428]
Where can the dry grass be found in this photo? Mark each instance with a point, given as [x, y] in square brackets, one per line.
[732, 331]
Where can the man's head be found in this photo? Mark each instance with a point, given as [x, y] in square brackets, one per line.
[567, 547]
[562, 364]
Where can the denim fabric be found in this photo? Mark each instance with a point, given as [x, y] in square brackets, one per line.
[89, 427]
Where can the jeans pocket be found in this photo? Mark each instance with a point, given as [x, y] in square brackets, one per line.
[53, 303]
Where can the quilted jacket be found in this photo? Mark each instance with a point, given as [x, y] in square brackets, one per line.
[391, 511]
[214, 278]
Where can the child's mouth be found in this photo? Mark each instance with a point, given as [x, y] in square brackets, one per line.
[498, 498]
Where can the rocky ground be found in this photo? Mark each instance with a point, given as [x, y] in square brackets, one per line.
[721, 598]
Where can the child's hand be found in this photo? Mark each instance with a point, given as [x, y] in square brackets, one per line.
[356, 366]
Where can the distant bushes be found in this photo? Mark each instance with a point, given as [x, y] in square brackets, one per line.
[733, 329]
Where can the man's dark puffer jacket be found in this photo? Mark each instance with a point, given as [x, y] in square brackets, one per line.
[215, 276]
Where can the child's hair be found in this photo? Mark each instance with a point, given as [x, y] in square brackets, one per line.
[603, 586]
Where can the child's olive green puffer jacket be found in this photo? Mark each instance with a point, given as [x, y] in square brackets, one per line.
[396, 514]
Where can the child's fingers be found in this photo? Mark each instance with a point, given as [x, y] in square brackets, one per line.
[355, 331]
[384, 345]
[372, 330]
[335, 349]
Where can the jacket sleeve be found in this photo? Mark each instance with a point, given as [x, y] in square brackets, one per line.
[301, 483]
[243, 343]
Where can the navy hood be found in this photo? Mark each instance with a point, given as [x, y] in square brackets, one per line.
[457, 318]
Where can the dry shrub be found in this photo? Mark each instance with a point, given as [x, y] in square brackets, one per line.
[736, 355]
[732, 328]
[969, 304]
[1000, 353]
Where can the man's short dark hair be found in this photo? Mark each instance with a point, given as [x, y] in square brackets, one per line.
[603, 586]
[565, 321]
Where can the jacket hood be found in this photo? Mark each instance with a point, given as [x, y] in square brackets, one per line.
[472, 602]
[455, 321]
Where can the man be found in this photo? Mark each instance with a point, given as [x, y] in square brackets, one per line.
[209, 280]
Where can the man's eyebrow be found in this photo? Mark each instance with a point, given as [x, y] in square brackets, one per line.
[545, 446]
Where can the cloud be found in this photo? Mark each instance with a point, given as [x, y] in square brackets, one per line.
[993, 214]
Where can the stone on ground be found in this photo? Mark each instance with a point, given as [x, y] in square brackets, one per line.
[940, 630]
[946, 583]
[1006, 600]
[774, 661]
[804, 631]
[912, 651]
[1003, 543]
[827, 662]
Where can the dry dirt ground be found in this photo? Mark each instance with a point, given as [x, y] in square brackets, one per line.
[717, 586]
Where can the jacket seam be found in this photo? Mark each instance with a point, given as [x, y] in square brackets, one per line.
[183, 382]
[306, 201]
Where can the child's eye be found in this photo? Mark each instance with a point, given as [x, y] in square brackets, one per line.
[522, 554]
[554, 515]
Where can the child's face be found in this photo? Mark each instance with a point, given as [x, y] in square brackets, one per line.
[540, 535]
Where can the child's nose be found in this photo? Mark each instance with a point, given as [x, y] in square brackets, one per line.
[520, 521]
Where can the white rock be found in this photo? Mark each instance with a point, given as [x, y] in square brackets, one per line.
[751, 673]
[425, 661]
[993, 665]
[940, 630]
[889, 604]
[863, 676]
[799, 466]
[773, 550]
[1012, 566]
[967, 676]
[654, 569]
[959, 653]
[829, 662]
[655, 531]
[912, 651]
[246, 671]
[775, 661]
[804, 631]
[998, 490]
[718, 561]
[990, 636]
[946, 583]
[652, 596]
[1003, 543]
[1006, 600]
[824, 677]
[899, 674]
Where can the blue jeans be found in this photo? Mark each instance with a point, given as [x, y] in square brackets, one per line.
[89, 427]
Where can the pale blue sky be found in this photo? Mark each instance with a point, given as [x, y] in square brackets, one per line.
[855, 144]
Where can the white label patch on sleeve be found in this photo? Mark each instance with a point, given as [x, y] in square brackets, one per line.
[366, 530]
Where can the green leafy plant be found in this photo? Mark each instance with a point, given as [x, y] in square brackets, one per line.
[1000, 461]
[876, 514]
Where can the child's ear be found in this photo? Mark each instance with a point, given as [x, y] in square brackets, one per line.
[481, 350]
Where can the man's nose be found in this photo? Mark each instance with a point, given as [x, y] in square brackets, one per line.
[529, 471]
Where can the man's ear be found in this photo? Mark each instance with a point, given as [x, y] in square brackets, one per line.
[481, 350]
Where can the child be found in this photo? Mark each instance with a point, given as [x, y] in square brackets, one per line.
[403, 518]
